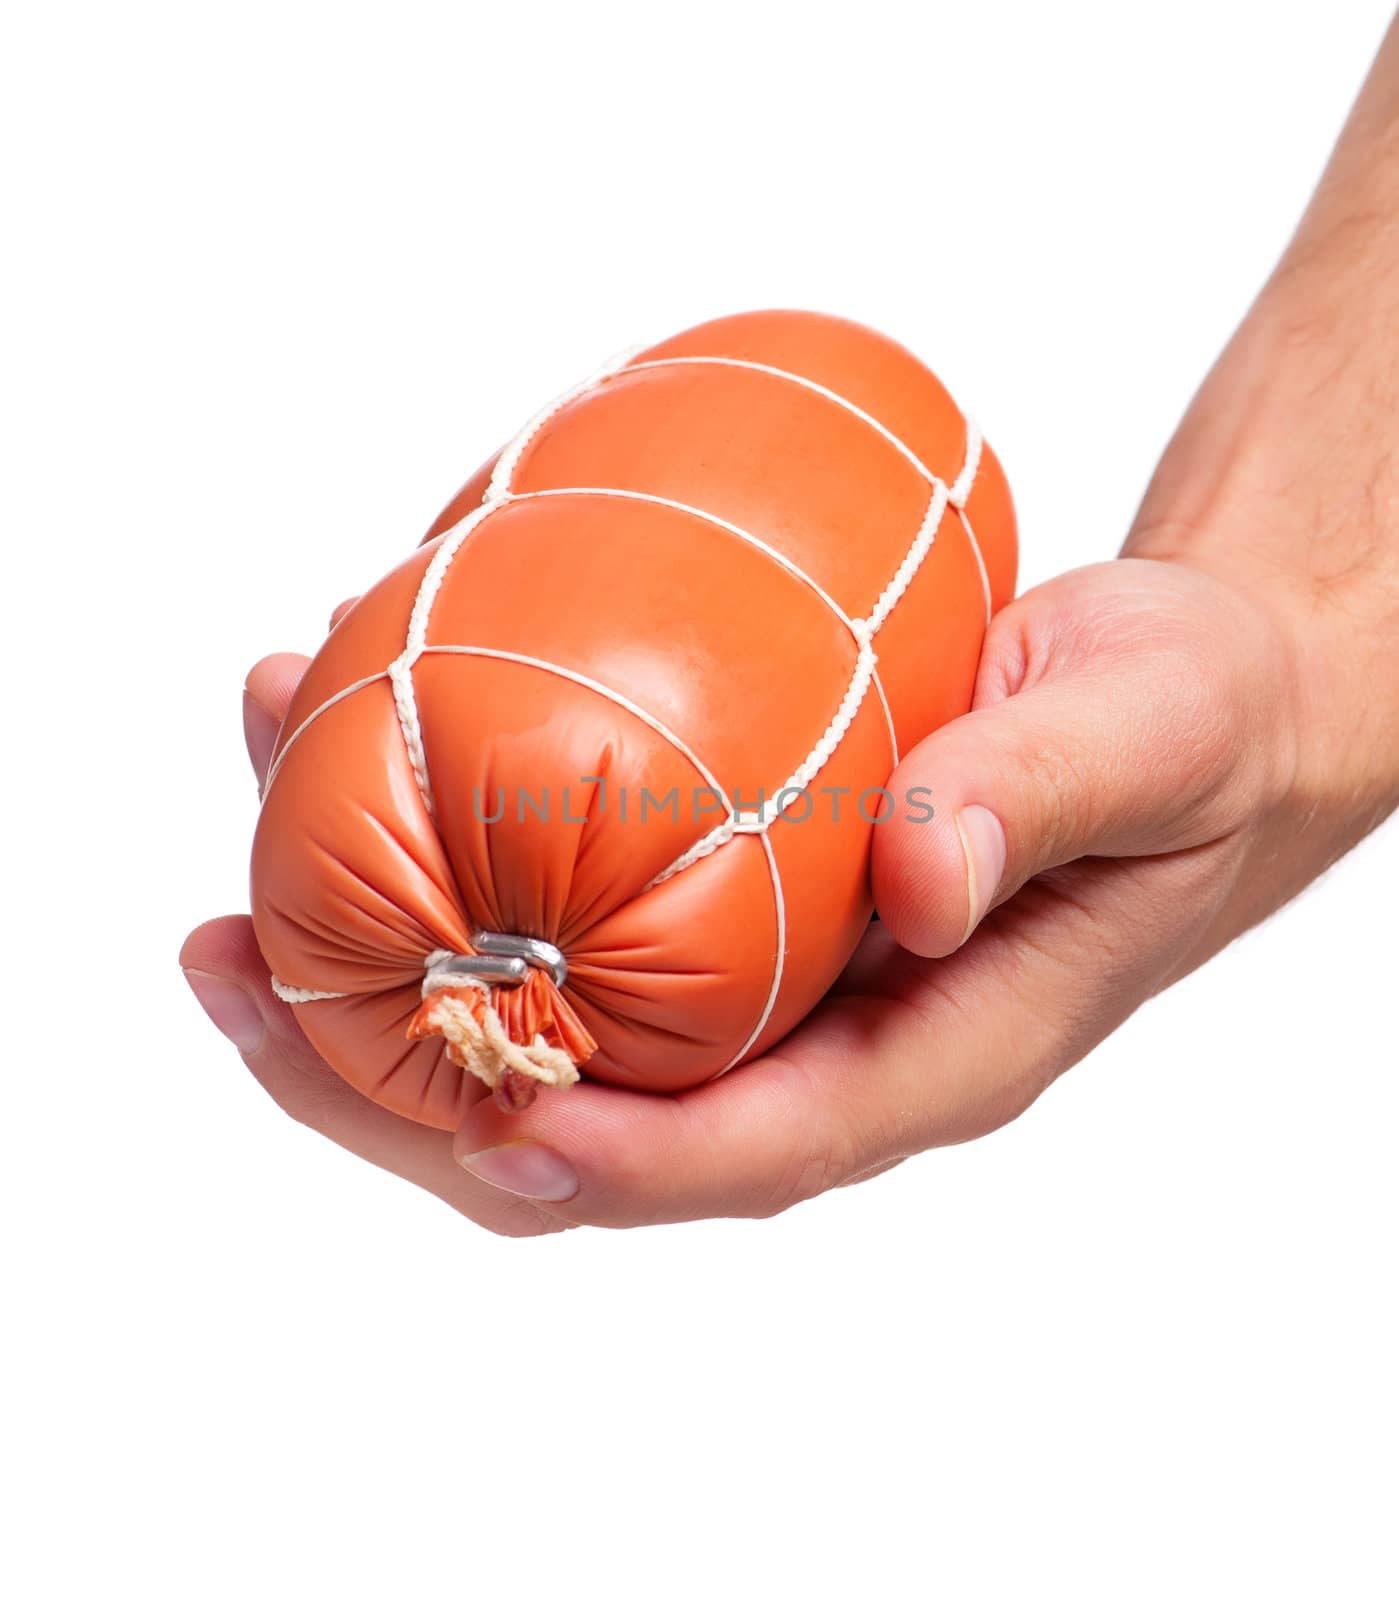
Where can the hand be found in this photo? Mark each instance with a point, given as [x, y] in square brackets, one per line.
[1115, 808]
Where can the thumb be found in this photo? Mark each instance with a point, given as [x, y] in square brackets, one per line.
[1116, 715]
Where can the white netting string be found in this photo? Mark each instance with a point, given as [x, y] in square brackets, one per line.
[839, 725]
[436, 979]
[761, 819]
[401, 669]
[296, 997]
[966, 478]
[497, 494]
[640, 496]
[908, 567]
[509, 459]
[862, 674]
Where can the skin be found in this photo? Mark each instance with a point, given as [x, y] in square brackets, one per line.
[1162, 750]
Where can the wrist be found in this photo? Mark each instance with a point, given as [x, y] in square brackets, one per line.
[1332, 653]
[1280, 483]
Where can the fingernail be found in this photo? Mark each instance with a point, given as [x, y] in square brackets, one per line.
[260, 729]
[525, 1168]
[231, 1010]
[984, 846]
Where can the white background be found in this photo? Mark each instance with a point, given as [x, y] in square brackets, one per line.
[279, 276]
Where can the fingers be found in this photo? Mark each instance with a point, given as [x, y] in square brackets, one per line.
[1118, 713]
[856, 1090]
[266, 696]
[273, 681]
[748, 1145]
[910, 1055]
[228, 976]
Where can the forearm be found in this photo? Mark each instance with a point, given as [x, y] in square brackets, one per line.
[1284, 476]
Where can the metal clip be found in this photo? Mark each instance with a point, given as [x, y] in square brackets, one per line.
[520, 948]
[509, 970]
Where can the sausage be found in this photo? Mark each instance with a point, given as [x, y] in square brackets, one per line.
[631, 708]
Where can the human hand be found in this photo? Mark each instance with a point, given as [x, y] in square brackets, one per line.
[1117, 806]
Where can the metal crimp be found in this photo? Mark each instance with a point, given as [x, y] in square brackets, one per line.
[519, 950]
[509, 970]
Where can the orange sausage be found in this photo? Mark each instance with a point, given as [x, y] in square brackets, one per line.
[635, 697]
